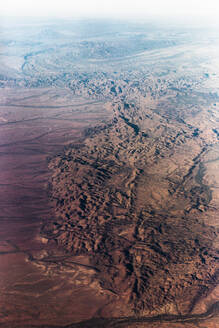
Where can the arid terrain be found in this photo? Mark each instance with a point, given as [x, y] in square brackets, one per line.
[109, 175]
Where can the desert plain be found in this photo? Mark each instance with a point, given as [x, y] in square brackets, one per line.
[109, 175]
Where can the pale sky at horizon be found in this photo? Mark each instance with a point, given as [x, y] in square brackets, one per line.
[110, 8]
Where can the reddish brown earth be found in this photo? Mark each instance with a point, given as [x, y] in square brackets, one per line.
[30, 133]
[109, 175]
[129, 230]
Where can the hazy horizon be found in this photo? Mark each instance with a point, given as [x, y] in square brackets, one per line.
[193, 9]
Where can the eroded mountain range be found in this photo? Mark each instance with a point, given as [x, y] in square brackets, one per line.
[132, 197]
[134, 226]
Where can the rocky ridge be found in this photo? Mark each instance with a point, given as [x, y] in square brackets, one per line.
[130, 196]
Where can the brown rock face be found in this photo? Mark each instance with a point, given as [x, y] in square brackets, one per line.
[131, 196]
